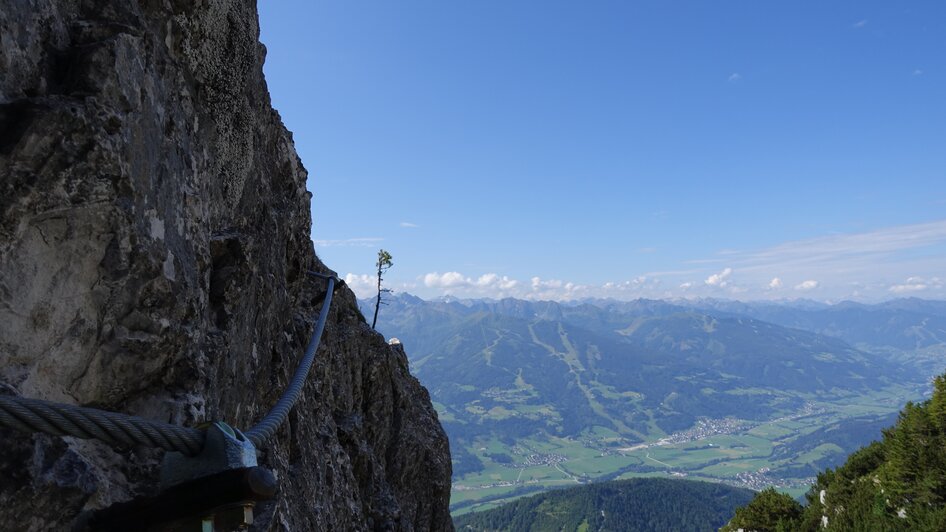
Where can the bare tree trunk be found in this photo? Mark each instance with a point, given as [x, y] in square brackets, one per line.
[377, 303]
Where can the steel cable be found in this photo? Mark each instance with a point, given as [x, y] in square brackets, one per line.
[264, 430]
[116, 429]
[35, 415]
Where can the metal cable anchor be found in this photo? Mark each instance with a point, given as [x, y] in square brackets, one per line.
[214, 490]
[224, 448]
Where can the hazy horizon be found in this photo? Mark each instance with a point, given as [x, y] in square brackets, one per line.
[368, 294]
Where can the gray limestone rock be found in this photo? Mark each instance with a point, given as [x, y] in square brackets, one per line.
[154, 234]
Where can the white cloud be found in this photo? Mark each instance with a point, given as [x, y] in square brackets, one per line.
[367, 285]
[805, 286]
[906, 288]
[843, 252]
[409, 224]
[860, 23]
[638, 286]
[362, 285]
[831, 267]
[348, 242]
[734, 77]
[917, 72]
[536, 288]
[554, 289]
[489, 284]
[917, 284]
[492, 280]
[446, 280]
[720, 279]
[862, 265]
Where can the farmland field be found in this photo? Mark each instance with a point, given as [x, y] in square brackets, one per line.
[738, 452]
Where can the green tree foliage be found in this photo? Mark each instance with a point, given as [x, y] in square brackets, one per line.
[898, 483]
[501, 458]
[641, 504]
[384, 264]
[769, 511]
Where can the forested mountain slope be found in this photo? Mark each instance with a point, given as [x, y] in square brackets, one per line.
[644, 504]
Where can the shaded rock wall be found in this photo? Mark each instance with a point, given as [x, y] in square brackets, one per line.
[154, 234]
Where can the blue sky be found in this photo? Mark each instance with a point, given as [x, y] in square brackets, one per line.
[569, 149]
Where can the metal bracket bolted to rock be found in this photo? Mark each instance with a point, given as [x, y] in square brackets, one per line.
[224, 448]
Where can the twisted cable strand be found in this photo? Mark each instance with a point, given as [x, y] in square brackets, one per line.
[58, 419]
[35, 415]
[105, 430]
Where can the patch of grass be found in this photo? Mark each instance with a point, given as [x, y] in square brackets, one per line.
[818, 453]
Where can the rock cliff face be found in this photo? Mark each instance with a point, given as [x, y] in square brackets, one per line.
[154, 234]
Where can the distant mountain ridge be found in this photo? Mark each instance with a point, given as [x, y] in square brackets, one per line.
[902, 323]
[630, 365]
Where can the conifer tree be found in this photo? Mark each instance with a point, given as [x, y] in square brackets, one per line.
[384, 264]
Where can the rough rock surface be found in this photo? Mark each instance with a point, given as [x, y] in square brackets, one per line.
[154, 234]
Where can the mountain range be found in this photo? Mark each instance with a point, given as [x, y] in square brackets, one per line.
[617, 376]
[632, 365]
